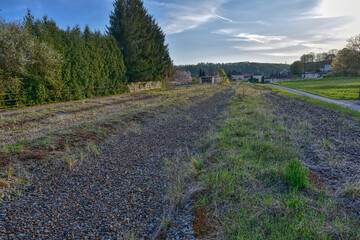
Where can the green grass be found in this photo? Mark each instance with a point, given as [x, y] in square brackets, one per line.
[335, 88]
[255, 188]
[316, 101]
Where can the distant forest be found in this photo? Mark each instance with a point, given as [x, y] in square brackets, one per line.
[243, 67]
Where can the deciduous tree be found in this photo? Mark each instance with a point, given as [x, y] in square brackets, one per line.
[297, 67]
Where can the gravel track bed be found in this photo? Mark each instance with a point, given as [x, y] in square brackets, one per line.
[29, 123]
[182, 222]
[329, 145]
[117, 194]
[57, 120]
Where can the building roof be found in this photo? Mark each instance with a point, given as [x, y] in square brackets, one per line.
[236, 73]
[212, 74]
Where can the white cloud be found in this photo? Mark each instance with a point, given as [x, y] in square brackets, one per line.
[258, 29]
[180, 18]
[224, 18]
[257, 38]
[224, 31]
[343, 8]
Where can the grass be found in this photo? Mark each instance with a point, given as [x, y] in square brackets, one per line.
[316, 101]
[335, 88]
[255, 188]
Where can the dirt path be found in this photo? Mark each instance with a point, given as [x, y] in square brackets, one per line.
[350, 104]
[118, 193]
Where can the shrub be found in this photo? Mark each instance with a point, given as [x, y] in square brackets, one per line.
[195, 80]
[296, 175]
[224, 80]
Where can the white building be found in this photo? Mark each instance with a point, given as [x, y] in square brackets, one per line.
[258, 77]
[326, 68]
[237, 76]
[312, 75]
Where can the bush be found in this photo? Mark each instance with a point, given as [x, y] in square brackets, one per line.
[253, 80]
[224, 80]
[296, 175]
[195, 80]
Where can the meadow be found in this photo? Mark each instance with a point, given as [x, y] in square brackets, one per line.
[335, 88]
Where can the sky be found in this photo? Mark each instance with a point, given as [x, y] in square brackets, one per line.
[276, 31]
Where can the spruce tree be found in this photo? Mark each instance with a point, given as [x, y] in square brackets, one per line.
[141, 41]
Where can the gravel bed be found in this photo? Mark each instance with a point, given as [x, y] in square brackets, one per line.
[182, 224]
[117, 194]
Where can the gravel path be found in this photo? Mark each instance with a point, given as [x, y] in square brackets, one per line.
[120, 192]
[350, 104]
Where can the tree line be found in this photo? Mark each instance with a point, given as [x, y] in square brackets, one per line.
[345, 62]
[243, 67]
[41, 63]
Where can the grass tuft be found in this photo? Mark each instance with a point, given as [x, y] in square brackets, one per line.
[296, 175]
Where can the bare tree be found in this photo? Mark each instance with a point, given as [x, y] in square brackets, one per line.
[354, 43]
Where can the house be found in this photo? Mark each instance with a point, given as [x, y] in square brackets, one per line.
[311, 75]
[281, 75]
[211, 77]
[247, 77]
[258, 76]
[212, 74]
[237, 76]
[194, 76]
[326, 68]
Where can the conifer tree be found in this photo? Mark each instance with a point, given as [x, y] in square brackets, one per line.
[141, 41]
[43, 63]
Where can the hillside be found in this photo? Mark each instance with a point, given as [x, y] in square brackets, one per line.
[244, 67]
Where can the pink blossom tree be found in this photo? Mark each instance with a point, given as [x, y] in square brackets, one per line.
[182, 77]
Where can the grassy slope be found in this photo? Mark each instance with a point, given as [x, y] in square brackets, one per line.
[335, 88]
[254, 186]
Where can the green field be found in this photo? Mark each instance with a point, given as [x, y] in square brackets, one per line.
[335, 88]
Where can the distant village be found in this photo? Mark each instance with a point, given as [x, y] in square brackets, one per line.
[284, 75]
[322, 70]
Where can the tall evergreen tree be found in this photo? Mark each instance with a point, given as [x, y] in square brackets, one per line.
[141, 41]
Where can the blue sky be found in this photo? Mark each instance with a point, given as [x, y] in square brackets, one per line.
[221, 30]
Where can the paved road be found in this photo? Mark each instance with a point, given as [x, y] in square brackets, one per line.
[350, 104]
